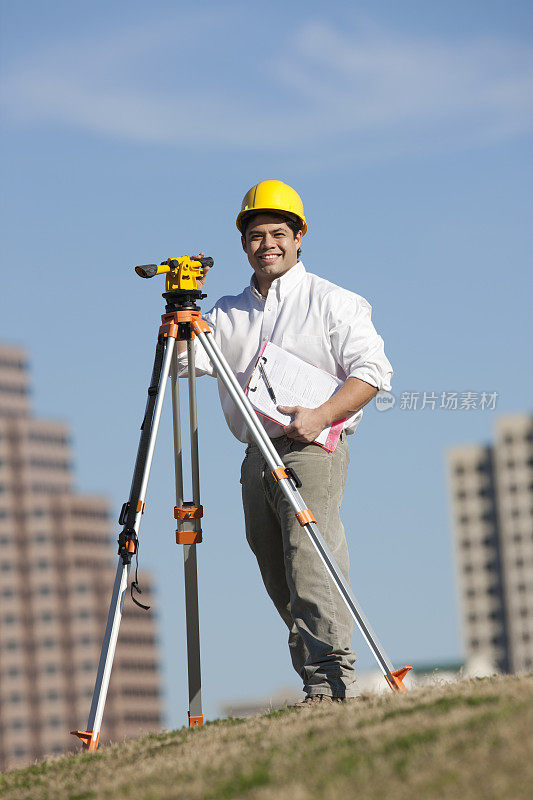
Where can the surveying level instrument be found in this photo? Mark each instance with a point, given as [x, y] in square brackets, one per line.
[183, 322]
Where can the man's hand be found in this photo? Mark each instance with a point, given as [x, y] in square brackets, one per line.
[307, 423]
[200, 281]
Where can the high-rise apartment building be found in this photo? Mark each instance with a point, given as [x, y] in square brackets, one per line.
[492, 501]
[57, 568]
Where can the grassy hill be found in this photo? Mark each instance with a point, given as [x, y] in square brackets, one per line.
[468, 740]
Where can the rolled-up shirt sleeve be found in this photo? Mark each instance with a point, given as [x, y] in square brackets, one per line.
[357, 346]
[202, 362]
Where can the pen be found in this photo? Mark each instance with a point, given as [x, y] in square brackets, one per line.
[267, 382]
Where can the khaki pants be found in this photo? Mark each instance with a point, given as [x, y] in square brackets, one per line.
[320, 625]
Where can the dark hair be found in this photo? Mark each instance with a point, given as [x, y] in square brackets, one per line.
[292, 221]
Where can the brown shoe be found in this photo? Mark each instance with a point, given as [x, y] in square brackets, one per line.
[313, 700]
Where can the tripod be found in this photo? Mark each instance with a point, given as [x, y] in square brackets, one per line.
[183, 322]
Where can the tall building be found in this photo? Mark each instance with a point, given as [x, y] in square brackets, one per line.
[57, 567]
[492, 505]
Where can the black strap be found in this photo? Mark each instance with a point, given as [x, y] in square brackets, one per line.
[135, 585]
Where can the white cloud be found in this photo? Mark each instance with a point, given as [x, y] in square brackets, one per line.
[368, 92]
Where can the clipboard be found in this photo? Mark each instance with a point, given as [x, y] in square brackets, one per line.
[295, 383]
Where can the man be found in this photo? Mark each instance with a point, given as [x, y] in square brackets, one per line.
[329, 327]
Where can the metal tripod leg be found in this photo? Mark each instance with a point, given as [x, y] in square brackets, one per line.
[189, 550]
[131, 518]
[393, 677]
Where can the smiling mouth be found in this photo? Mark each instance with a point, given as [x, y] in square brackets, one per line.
[270, 258]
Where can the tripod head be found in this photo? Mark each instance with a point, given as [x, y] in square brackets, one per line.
[181, 289]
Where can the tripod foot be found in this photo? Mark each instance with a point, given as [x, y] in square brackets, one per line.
[89, 740]
[396, 684]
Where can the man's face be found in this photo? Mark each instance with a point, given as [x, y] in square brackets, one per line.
[271, 248]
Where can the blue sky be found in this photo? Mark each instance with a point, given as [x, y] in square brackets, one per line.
[132, 131]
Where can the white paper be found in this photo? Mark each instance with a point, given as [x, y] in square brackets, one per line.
[295, 383]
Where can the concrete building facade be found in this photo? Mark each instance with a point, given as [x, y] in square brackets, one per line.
[57, 568]
[492, 506]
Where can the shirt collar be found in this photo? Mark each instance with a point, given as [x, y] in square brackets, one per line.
[283, 285]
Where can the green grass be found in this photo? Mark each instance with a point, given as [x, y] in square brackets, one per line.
[467, 740]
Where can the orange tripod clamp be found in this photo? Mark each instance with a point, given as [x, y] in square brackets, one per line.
[187, 512]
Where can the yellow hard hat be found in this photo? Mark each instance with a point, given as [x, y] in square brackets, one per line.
[272, 196]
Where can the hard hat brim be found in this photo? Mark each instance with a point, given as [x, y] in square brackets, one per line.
[280, 213]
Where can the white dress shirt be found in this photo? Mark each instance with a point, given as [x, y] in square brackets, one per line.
[316, 320]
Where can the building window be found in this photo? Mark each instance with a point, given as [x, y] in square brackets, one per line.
[466, 544]
[459, 470]
[48, 438]
[45, 463]
[523, 612]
